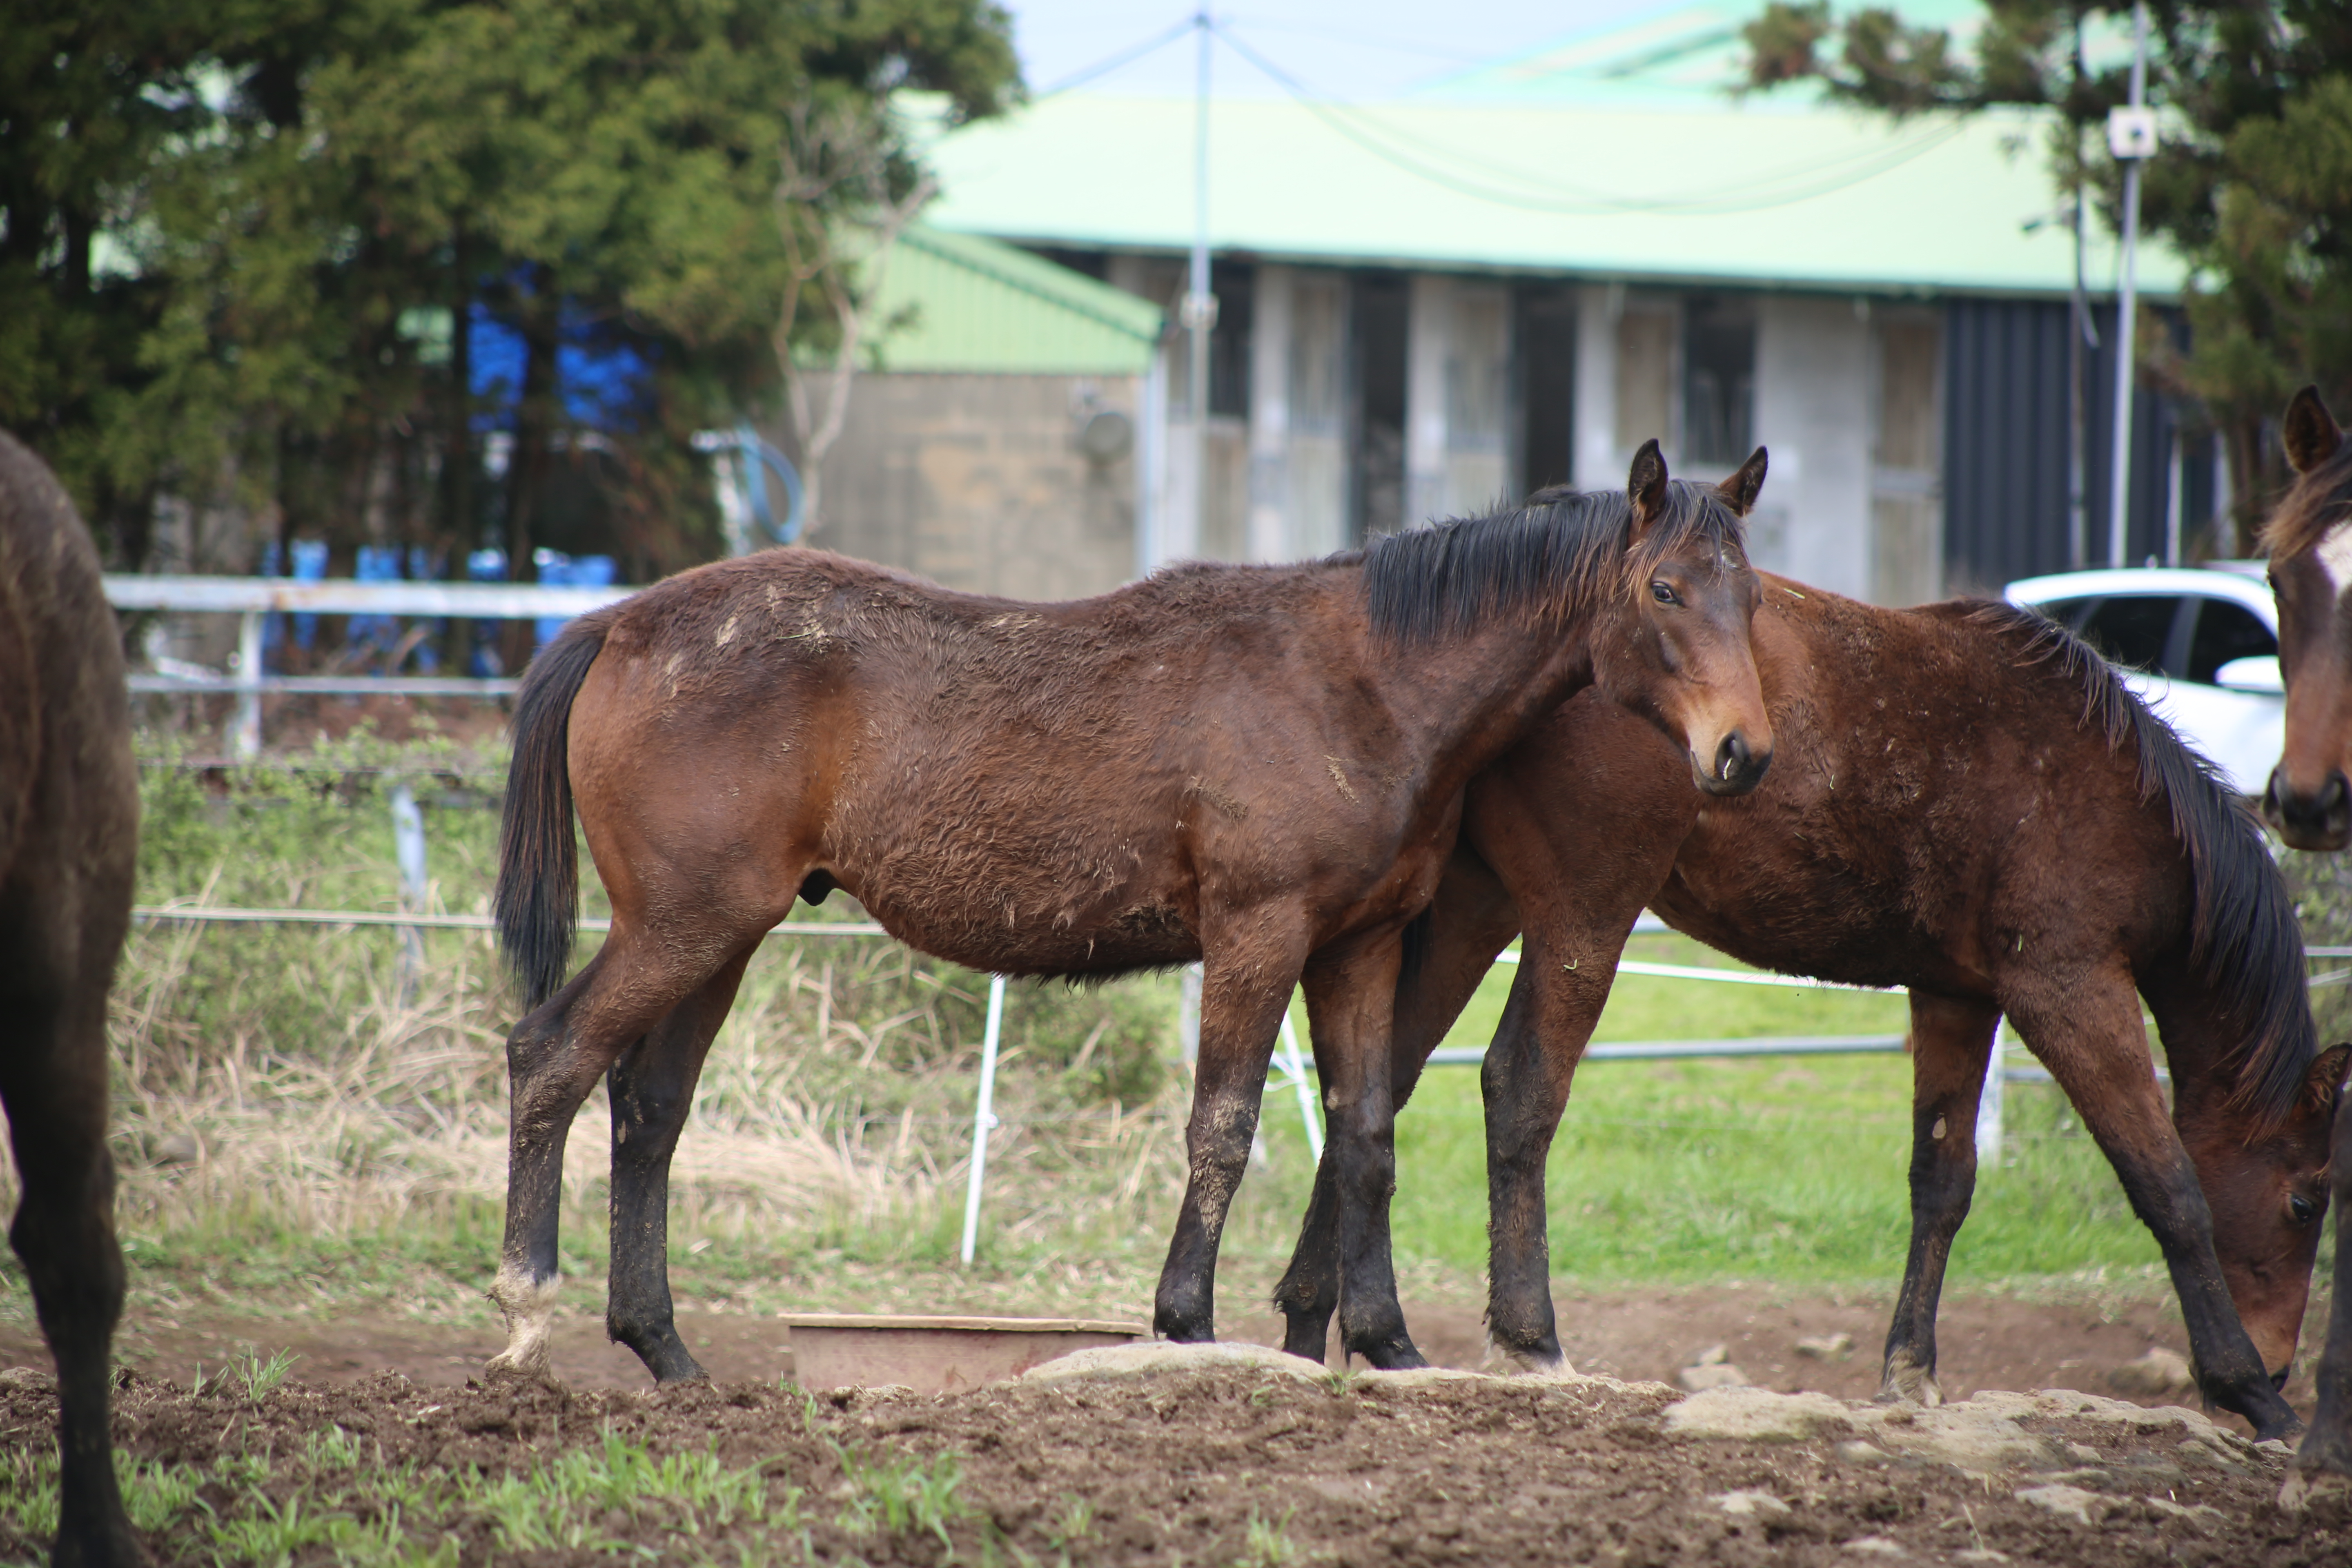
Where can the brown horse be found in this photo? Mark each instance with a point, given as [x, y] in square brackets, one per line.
[1259, 767]
[68, 838]
[2309, 541]
[1966, 804]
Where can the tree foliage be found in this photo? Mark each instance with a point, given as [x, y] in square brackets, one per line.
[248, 248]
[2252, 182]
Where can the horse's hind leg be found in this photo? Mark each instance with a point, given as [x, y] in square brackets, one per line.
[652, 1089]
[2328, 1447]
[1951, 1042]
[53, 1082]
[554, 1057]
[2086, 1028]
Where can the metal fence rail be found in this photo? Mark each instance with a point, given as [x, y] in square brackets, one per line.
[254, 598]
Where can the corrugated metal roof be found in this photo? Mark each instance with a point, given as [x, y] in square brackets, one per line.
[961, 303]
[1701, 188]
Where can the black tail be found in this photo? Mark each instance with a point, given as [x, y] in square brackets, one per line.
[2245, 946]
[537, 903]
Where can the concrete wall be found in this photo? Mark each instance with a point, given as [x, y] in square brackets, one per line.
[1813, 411]
[978, 482]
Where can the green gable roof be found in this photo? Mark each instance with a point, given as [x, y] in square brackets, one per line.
[961, 303]
[1619, 155]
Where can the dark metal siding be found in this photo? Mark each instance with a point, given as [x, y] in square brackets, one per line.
[2004, 442]
[2005, 445]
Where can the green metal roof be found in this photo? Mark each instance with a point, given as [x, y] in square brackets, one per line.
[1619, 155]
[961, 303]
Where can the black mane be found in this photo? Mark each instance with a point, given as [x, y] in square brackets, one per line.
[1557, 555]
[2244, 944]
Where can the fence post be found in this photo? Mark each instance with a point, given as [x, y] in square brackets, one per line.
[1295, 1063]
[1187, 1017]
[247, 740]
[408, 850]
[983, 1116]
[1989, 1099]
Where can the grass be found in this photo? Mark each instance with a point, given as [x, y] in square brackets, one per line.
[334, 1501]
[306, 1119]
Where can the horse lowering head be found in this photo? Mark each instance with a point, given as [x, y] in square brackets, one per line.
[1679, 653]
[2309, 538]
[2268, 1193]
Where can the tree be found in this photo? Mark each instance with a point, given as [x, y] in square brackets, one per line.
[845, 194]
[320, 210]
[2252, 182]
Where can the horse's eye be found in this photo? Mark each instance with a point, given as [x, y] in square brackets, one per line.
[1665, 594]
[2304, 1210]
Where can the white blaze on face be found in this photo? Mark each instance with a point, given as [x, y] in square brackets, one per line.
[2336, 557]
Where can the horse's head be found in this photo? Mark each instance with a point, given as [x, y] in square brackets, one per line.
[2267, 1193]
[2310, 540]
[1679, 653]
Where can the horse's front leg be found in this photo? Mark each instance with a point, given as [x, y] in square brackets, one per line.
[1247, 981]
[1471, 920]
[2328, 1447]
[2086, 1028]
[652, 1089]
[1555, 1001]
[1350, 1000]
[1951, 1043]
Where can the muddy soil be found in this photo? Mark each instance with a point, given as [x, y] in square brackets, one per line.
[1984, 1342]
[1248, 1465]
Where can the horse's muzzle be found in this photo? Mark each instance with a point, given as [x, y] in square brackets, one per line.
[1737, 768]
[2318, 821]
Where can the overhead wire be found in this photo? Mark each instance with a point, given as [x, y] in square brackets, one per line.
[1358, 128]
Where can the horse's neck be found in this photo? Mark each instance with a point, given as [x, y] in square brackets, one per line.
[1468, 700]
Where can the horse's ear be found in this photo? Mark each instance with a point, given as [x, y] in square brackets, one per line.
[2325, 1079]
[1645, 487]
[2311, 433]
[1739, 491]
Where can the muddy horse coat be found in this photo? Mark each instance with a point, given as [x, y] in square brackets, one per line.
[1259, 767]
[69, 844]
[1966, 804]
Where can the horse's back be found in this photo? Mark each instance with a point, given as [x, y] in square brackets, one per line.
[68, 788]
[1937, 785]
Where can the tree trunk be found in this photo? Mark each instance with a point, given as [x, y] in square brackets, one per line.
[535, 413]
[458, 463]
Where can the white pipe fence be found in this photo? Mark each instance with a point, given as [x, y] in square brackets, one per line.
[253, 598]
[1293, 1064]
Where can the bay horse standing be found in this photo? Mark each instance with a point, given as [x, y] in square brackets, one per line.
[1966, 804]
[1256, 767]
[2309, 541]
[68, 840]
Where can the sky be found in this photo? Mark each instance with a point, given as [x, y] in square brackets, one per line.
[1348, 50]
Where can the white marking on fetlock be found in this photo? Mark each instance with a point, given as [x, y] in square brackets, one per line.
[1907, 1382]
[530, 1308]
[1512, 1362]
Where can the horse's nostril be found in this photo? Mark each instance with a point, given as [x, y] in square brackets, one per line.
[1731, 758]
[2279, 1378]
[2331, 794]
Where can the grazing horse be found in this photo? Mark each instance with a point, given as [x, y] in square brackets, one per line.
[68, 838]
[1257, 767]
[2309, 539]
[1966, 804]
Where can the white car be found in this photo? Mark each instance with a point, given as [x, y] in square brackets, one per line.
[2199, 646]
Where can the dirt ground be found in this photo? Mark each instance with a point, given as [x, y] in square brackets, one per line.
[1246, 1465]
[1983, 1342]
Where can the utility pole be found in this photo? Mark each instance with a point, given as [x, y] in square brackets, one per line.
[1198, 314]
[2131, 137]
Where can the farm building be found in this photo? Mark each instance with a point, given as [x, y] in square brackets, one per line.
[1516, 275]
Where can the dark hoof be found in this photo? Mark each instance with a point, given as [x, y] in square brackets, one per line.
[1395, 1354]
